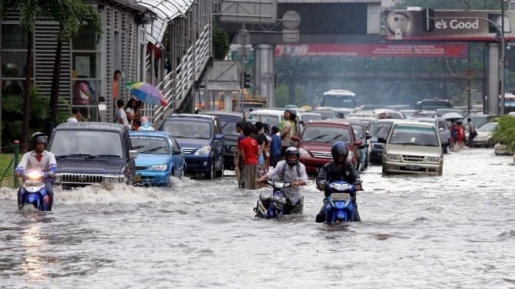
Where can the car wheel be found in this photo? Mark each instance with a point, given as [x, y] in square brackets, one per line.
[445, 149]
[490, 144]
[211, 174]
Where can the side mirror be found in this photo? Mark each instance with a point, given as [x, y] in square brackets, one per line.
[295, 138]
[358, 142]
[301, 122]
[441, 129]
[219, 136]
[381, 140]
[133, 154]
[177, 151]
[368, 136]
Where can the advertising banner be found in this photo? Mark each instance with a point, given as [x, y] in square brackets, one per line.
[456, 50]
[449, 25]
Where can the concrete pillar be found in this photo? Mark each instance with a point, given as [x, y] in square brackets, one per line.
[493, 79]
[264, 72]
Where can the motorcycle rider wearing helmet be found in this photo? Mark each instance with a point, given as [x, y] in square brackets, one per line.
[340, 169]
[290, 170]
[39, 159]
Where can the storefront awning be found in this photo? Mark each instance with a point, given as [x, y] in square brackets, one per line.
[165, 10]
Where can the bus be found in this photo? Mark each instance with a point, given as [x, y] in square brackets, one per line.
[339, 98]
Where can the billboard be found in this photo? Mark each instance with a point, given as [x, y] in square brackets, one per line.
[449, 25]
[456, 50]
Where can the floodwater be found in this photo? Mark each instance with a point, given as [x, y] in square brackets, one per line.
[454, 231]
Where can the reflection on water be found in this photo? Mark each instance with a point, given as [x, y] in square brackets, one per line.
[454, 231]
[32, 264]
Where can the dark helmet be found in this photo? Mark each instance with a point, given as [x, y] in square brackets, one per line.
[289, 152]
[38, 137]
[339, 148]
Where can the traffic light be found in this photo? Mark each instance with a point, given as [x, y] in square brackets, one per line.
[428, 20]
[246, 80]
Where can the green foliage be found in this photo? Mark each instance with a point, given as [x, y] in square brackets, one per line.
[220, 41]
[505, 131]
[281, 96]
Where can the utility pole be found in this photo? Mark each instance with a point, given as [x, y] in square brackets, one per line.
[503, 60]
[469, 72]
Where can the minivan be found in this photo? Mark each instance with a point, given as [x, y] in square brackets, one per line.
[202, 141]
[412, 147]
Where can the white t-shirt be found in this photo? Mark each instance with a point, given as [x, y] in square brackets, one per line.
[72, 119]
[122, 117]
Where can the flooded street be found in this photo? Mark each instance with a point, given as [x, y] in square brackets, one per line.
[454, 231]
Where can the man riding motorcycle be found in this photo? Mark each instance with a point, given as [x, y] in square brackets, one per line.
[340, 169]
[290, 170]
[39, 159]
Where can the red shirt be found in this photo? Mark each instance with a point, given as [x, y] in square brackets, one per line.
[249, 147]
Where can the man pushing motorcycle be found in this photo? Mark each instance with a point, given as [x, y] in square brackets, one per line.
[41, 160]
[290, 170]
[340, 169]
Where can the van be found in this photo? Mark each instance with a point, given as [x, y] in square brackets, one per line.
[272, 117]
[92, 153]
[412, 147]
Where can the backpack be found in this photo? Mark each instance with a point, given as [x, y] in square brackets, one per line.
[283, 170]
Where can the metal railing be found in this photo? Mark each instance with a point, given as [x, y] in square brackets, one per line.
[176, 85]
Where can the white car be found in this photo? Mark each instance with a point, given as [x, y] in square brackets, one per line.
[484, 135]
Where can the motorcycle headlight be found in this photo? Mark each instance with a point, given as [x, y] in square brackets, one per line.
[203, 151]
[432, 159]
[393, 157]
[341, 187]
[158, 168]
[303, 152]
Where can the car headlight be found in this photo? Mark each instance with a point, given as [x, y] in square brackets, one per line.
[115, 179]
[432, 159]
[393, 157]
[158, 167]
[303, 153]
[203, 151]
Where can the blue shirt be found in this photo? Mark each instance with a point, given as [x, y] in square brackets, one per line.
[275, 148]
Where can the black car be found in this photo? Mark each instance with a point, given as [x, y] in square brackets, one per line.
[92, 153]
[228, 122]
[379, 128]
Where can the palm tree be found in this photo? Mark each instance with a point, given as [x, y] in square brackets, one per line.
[290, 71]
[72, 15]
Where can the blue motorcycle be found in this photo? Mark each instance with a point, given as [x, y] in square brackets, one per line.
[339, 206]
[275, 205]
[33, 191]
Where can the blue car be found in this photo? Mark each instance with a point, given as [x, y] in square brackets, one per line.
[202, 140]
[159, 158]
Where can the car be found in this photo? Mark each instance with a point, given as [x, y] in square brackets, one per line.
[412, 147]
[361, 133]
[202, 141]
[305, 117]
[479, 119]
[159, 157]
[378, 128]
[326, 113]
[443, 130]
[92, 153]
[228, 121]
[318, 137]
[433, 104]
[484, 135]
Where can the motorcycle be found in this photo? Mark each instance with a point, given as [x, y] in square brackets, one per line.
[339, 206]
[33, 191]
[270, 206]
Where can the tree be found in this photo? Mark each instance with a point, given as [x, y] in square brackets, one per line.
[72, 15]
[282, 99]
[290, 71]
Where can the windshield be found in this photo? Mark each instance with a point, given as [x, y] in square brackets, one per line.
[271, 120]
[380, 129]
[307, 117]
[358, 131]
[325, 134]
[229, 126]
[150, 145]
[86, 143]
[339, 101]
[414, 135]
[488, 127]
[188, 128]
[327, 114]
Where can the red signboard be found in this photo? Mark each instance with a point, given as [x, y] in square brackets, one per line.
[457, 50]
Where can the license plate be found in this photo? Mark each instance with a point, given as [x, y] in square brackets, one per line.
[137, 178]
[412, 167]
[340, 197]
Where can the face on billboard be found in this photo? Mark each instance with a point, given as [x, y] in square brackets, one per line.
[449, 25]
